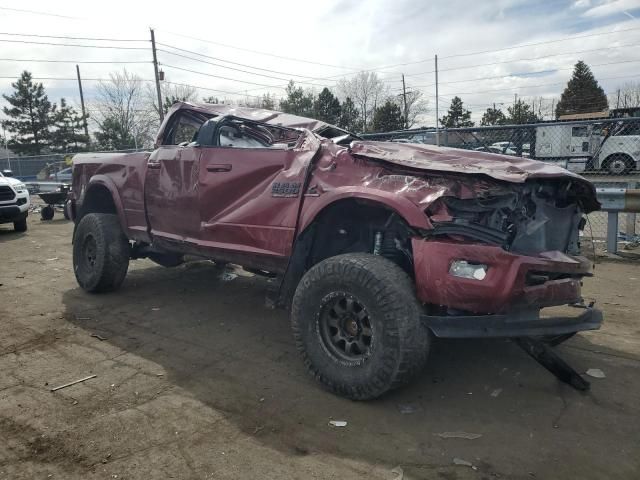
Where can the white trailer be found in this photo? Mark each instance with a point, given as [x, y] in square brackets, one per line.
[609, 146]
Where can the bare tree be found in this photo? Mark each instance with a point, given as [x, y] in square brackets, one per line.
[626, 96]
[171, 93]
[367, 91]
[417, 105]
[122, 115]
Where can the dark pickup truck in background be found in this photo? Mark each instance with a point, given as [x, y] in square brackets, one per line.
[375, 247]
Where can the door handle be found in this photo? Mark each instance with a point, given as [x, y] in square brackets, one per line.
[153, 164]
[221, 167]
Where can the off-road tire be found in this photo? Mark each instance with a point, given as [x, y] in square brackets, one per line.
[399, 344]
[20, 225]
[100, 253]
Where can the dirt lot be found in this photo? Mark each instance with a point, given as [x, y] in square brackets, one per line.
[196, 379]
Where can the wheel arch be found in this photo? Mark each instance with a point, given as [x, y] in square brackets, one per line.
[101, 196]
[366, 214]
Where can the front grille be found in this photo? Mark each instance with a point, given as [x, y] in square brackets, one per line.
[6, 193]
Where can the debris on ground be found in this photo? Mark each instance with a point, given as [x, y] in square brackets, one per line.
[409, 408]
[466, 435]
[595, 373]
[99, 337]
[496, 392]
[73, 383]
[399, 472]
[337, 423]
[463, 463]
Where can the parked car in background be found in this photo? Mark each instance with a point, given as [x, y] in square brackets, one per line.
[63, 175]
[14, 202]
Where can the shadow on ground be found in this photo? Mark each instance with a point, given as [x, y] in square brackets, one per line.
[216, 340]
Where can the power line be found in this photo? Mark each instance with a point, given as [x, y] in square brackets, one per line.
[565, 39]
[221, 60]
[218, 76]
[66, 61]
[522, 74]
[258, 52]
[73, 38]
[222, 66]
[72, 45]
[211, 89]
[19, 10]
[519, 60]
[531, 86]
[74, 79]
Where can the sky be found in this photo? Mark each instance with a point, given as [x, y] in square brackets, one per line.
[488, 51]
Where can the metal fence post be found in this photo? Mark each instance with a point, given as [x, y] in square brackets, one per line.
[631, 217]
[612, 232]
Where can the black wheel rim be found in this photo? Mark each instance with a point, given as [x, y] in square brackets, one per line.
[345, 327]
[89, 253]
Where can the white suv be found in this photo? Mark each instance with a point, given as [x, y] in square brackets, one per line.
[14, 202]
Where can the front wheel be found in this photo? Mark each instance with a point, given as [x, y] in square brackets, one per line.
[20, 225]
[619, 164]
[356, 322]
[100, 253]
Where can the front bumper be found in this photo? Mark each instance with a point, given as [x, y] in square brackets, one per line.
[508, 285]
[13, 212]
[527, 323]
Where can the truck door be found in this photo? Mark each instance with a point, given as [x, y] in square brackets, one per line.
[580, 142]
[251, 188]
[171, 181]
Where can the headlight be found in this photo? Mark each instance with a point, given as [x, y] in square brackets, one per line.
[20, 187]
[464, 269]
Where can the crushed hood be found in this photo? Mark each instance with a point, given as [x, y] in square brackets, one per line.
[429, 157]
[454, 160]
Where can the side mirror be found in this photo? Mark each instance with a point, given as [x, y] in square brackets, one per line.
[7, 173]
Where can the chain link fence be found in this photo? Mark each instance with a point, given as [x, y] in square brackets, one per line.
[606, 151]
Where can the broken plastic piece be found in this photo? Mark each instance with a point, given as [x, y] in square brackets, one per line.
[595, 373]
[337, 423]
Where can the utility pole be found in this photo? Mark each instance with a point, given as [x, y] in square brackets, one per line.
[404, 97]
[618, 100]
[84, 112]
[6, 147]
[437, 117]
[155, 71]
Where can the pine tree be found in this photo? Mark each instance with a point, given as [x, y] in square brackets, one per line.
[349, 116]
[388, 118]
[67, 133]
[112, 136]
[30, 116]
[457, 116]
[493, 116]
[521, 112]
[327, 107]
[582, 94]
[297, 102]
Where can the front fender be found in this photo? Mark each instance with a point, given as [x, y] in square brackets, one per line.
[104, 181]
[404, 207]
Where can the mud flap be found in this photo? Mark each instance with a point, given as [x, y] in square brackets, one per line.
[546, 357]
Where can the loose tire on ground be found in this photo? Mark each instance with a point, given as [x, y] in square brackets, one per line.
[100, 253]
[47, 212]
[356, 322]
[20, 225]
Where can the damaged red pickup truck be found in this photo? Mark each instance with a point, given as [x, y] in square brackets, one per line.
[375, 247]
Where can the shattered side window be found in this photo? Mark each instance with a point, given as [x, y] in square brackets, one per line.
[184, 129]
[239, 134]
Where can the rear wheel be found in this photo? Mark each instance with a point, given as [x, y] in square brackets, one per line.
[619, 164]
[356, 322]
[100, 253]
[20, 225]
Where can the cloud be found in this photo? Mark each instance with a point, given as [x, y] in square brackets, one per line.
[611, 8]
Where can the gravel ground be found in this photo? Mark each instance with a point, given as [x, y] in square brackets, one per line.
[195, 378]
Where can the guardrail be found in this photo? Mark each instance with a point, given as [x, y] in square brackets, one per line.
[614, 201]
